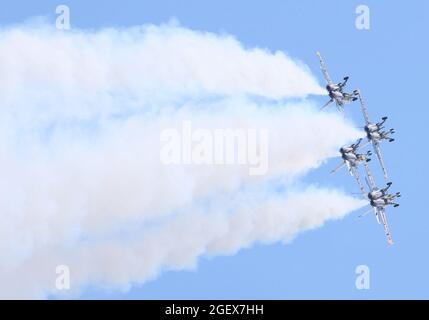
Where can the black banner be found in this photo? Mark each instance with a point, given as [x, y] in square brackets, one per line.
[203, 309]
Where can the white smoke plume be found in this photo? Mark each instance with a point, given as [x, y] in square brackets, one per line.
[97, 74]
[139, 253]
[82, 181]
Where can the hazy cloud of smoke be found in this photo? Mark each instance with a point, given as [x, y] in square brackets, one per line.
[82, 183]
[221, 226]
[96, 74]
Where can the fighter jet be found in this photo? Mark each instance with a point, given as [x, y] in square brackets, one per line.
[375, 133]
[352, 159]
[335, 91]
[379, 199]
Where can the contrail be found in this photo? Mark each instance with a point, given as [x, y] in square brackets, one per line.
[220, 228]
[113, 71]
[82, 183]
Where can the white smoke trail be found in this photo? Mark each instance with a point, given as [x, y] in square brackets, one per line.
[79, 153]
[85, 75]
[222, 227]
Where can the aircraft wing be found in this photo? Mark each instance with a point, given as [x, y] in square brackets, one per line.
[327, 104]
[339, 167]
[363, 108]
[324, 69]
[355, 174]
[370, 178]
[382, 217]
[377, 216]
[377, 150]
[340, 108]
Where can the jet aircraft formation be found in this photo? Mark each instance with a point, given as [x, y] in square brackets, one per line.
[378, 198]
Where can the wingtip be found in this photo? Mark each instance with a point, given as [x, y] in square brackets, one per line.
[385, 175]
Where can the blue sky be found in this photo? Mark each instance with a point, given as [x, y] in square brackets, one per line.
[388, 63]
